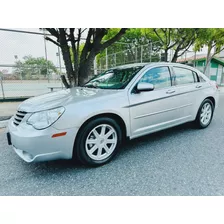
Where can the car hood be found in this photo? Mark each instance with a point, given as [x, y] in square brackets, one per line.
[63, 98]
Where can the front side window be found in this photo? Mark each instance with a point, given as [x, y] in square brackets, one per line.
[183, 76]
[159, 77]
[117, 78]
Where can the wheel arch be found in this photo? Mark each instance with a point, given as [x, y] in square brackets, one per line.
[212, 99]
[197, 118]
[199, 103]
[209, 98]
[113, 116]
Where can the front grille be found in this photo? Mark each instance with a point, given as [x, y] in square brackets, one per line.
[19, 117]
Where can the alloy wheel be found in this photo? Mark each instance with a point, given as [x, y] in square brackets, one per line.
[206, 113]
[101, 142]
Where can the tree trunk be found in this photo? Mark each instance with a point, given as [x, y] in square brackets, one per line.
[66, 56]
[81, 69]
[206, 70]
[165, 55]
[208, 60]
[175, 56]
[68, 64]
[64, 81]
[85, 70]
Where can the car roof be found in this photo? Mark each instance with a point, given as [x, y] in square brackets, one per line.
[130, 65]
[152, 64]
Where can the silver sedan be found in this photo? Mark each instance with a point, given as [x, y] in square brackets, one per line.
[89, 123]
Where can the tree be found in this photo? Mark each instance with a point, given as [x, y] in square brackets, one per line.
[178, 39]
[162, 39]
[128, 48]
[66, 38]
[213, 38]
[31, 66]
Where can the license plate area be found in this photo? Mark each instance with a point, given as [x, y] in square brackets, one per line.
[9, 138]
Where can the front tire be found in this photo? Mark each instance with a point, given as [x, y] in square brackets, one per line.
[205, 114]
[98, 142]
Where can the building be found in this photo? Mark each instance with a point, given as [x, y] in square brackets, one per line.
[215, 71]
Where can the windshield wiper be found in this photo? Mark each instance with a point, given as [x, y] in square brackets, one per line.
[93, 85]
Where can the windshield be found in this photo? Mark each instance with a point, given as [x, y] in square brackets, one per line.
[117, 78]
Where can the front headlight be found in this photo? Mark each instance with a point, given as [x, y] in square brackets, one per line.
[43, 119]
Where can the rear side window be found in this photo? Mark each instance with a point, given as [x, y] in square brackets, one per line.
[183, 76]
[159, 77]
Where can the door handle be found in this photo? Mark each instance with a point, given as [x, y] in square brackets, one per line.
[170, 91]
[198, 86]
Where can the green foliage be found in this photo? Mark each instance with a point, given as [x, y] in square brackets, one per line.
[177, 39]
[32, 67]
[211, 37]
[133, 37]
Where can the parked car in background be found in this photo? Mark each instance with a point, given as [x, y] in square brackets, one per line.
[90, 122]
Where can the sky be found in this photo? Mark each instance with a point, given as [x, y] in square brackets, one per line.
[20, 44]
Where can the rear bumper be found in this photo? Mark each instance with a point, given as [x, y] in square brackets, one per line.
[217, 99]
[38, 145]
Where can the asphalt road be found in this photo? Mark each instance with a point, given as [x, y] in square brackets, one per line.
[177, 161]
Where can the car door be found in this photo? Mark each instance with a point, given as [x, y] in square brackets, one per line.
[188, 89]
[153, 110]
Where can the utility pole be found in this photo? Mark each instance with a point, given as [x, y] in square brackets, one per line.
[59, 59]
[45, 49]
[3, 94]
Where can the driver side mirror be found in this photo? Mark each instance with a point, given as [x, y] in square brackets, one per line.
[145, 86]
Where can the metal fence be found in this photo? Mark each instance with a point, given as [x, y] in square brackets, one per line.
[136, 54]
[18, 80]
[32, 83]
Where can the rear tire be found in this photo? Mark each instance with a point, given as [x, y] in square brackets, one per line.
[98, 142]
[205, 114]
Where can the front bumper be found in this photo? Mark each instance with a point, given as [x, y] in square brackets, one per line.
[38, 145]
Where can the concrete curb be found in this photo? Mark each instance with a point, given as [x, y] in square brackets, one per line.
[3, 124]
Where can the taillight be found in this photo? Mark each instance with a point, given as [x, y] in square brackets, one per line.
[214, 83]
